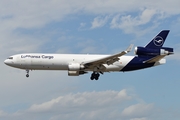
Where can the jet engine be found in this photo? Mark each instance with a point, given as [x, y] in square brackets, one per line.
[75, 67]
[76, 73]
[153, 52]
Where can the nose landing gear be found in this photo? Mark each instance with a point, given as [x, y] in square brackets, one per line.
[27, 71]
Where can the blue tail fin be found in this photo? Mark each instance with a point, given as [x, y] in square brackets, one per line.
[158, 41]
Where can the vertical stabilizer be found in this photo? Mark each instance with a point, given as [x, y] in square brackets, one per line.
[158, 41]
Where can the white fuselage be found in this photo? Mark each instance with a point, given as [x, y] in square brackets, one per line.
[61, 61]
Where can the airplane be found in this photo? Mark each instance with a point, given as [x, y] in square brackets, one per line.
[78, 64]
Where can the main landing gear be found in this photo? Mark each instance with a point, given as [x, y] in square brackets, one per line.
[27, 75]
[95, 76]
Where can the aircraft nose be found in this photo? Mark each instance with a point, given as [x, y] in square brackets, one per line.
[7, 62]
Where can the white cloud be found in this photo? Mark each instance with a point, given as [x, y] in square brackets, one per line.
[86, 99]
[2, 113]
[130, 24]
[32, 14]
[146, 16]
[35, 14]
[138, 110]
[139, 119]
[86, 106]
[99, 22]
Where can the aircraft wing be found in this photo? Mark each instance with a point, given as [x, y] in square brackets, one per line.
[107, 60]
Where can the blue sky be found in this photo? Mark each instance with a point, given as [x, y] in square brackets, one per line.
[94, 27]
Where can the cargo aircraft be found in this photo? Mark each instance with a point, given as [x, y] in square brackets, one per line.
[78, 64]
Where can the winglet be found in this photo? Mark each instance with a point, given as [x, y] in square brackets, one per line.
[129, 48]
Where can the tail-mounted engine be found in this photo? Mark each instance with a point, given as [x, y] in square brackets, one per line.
[153, 52]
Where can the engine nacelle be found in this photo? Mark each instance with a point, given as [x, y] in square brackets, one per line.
[75, 67]
[76, 73]
[153, 52]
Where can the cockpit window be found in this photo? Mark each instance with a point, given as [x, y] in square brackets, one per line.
[10, 58]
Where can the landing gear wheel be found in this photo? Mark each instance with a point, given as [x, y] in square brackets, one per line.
[95, 76]
[27, 75]
[92, 76]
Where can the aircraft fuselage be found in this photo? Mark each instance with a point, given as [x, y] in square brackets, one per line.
[77, 64]
[62, 61]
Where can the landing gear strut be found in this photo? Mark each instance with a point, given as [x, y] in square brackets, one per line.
[27, 75]
[95, 76]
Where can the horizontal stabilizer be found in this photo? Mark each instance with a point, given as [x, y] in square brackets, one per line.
[155, 59]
